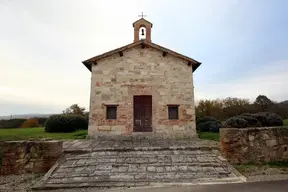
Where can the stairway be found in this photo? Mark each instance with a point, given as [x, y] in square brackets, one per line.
[140, 167]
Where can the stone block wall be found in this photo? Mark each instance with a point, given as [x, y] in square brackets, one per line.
[18, 157]
[115, 80]
[263, 144]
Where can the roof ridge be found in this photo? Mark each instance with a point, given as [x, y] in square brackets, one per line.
[94, 59]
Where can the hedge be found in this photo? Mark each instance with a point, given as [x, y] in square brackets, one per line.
[65, 123]
[262, 119]
[11, 123]
[207, 124]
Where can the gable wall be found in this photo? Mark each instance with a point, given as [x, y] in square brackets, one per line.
[142, 72]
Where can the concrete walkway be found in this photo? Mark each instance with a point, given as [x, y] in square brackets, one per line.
[271, 186]
[268, 186]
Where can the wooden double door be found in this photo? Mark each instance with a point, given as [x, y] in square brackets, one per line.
[142, 113]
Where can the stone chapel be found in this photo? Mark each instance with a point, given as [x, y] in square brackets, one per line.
[142, 89]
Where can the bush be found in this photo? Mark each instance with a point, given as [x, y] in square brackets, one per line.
[30, 123]
[215, 126]
[261, 119]
[209, 126]
[203, 127]
[42, 120]
[268, 119]
[65, 123]
[11, 123]
[252, 121]
[235, 122]
[205, 119]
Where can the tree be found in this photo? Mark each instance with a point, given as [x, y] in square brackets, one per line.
[222, 108]
[33, 122]
[235, 102]
[263, 101]
[209, 108]
[75, 109]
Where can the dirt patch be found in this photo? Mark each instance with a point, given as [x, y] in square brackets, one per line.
[263, 172]
[18, 183]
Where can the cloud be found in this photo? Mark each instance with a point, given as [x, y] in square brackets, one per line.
[42, 44]
[268, 80]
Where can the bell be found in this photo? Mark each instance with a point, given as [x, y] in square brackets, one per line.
[142, 32]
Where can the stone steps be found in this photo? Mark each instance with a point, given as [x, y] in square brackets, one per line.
[139, 168]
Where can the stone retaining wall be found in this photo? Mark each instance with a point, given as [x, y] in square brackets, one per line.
[263, 144]
[17, 157]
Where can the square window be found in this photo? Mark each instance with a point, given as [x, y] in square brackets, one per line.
[111, 112]
[173, 112]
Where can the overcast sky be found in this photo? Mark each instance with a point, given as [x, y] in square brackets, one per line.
[242, 44]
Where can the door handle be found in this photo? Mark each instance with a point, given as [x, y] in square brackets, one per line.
[138, 121]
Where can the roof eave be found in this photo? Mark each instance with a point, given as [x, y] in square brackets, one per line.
[87, 65]
[195, 66]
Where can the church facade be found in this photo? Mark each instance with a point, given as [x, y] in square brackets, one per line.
[142, 89]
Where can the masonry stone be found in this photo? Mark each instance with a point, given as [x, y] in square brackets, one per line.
[168, 83]
[142, 68]
[263, 144]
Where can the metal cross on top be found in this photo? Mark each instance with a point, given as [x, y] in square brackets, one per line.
[142, 15]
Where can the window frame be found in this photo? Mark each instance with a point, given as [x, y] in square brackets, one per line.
[170, 106]
[110, 107]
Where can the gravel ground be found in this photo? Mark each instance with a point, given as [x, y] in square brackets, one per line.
[18, 182]
[255, 173]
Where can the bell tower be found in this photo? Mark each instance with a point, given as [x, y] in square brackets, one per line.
[142, 29]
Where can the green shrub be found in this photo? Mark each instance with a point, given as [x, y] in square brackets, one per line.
[11, 123]
[252, 121]
[65, 123]
[268, 119]
[205, 119]
[215, 126]
[235, 122]
[203, 127]
[209, 126]
[42, 120]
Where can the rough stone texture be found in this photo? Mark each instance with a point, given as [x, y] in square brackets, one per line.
[139, 144]
[262, 144]
[115, 80]
[139, 167]
[18, 157]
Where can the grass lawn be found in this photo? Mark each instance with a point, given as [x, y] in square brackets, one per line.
[38, 133]
[209, 136]
[285, 122]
